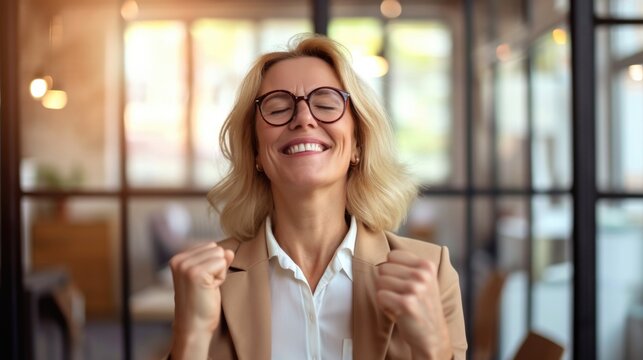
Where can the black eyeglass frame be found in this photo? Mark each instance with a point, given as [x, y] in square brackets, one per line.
[259, 100]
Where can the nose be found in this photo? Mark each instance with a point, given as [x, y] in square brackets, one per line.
[303, 116]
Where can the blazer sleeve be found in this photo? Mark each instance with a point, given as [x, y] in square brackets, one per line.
[449, 284]
[452, 304]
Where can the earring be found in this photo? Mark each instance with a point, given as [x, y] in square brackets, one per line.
[355, 161]
[258, 167]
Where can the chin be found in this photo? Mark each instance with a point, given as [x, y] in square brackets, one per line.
[312, 182]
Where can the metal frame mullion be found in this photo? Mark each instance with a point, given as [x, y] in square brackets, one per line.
[493, 123]
[438, 191]
[469, 170]
[321, 16]
[131, 192]
[620, 195]
[190, 114]
[123, 202]
[12, 307]
[584, 178]
[529, 155]
[616, 21]
[530, 196]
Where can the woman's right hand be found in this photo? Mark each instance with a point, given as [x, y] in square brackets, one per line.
[197, 274]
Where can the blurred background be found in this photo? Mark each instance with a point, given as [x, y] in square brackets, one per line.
[120, 105]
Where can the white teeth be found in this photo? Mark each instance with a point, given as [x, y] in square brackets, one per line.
[304, 147]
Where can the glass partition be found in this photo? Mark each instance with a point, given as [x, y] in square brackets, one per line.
[511, 260]
[363, 37]
[69, 97]
[409, 65]
[619, 94]
[73, 244]
[552, 269]
[483, 128]
[420, 97]
[182, 81]
[511, 119]
[222, 53]
[155, 109]
[619, 8]
[619, 248]
[439, 221]
[551, 111]
[159, 228]
[628, 93]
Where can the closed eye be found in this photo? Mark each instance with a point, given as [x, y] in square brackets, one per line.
[326, 107]
[279, 111]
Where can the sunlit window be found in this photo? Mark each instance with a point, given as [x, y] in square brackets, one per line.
[175, 108]
[363, 38]
[274, 34]
[619, 8]
[630, 147]
[155, 111]
[412, 75]
[626, 41]
[182, 80]
[551, 78]
[219, 66]
[420, 97]
[511, 123]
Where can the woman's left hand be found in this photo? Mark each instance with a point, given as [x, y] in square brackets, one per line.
[408, 292]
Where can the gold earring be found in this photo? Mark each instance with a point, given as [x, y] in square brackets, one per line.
[258, 167]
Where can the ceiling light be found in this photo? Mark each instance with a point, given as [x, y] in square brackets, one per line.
[503, 52]
[391, 8]
[129, 10]
[38, 87]
[636, 72]
[559, 36]
[54, 99]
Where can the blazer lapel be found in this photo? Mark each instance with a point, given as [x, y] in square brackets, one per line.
[371, 328]
[245, 298]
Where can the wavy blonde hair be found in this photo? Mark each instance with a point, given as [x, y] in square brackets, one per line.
[379, 189]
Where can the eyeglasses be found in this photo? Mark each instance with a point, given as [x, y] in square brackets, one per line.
[279, 107]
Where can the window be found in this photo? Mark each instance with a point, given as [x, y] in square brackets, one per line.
[619, 236]
[155, 111]
[412, 73]
[182, 80]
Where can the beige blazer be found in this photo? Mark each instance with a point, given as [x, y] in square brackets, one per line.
[244, 332]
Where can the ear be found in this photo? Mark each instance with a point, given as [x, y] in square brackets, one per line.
[258, 164]
[355, 153]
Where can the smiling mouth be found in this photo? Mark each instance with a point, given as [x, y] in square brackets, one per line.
[304, 147]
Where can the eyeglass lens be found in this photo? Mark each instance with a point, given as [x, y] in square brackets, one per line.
[326, 105]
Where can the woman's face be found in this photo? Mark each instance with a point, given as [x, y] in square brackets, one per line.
[327, 149]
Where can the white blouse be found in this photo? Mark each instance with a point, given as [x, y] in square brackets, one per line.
[306, 325]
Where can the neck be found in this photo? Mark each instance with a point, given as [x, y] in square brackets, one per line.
[309, 228]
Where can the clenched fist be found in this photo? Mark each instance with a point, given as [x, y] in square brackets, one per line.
[197, 274]
[408, 292]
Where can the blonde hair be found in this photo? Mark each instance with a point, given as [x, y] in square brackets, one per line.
[379, 188]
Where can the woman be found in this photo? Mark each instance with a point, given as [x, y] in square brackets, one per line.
[309, 271]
